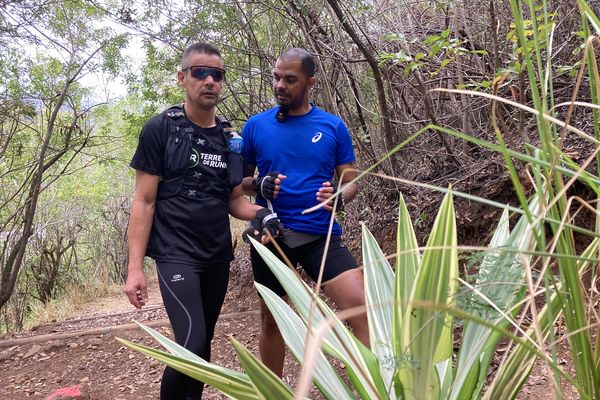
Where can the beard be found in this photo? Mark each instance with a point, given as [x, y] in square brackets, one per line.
[288, 101]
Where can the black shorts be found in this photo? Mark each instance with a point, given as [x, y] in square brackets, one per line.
[309, 256]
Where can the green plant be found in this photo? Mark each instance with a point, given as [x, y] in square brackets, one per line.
[442, 50]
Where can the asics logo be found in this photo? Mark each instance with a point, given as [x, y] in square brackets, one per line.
[317, 137]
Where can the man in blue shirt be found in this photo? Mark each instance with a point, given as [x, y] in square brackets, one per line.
[306, 146]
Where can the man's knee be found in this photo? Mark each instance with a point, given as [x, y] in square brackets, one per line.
[350, 300]
[200, 347]
[268, 325]
[347, 289]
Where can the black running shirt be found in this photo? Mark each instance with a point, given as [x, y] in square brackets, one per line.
[193, 226]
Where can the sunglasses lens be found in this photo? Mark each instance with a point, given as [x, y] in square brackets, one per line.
[203, 73]
[217, 75]
[199, 73]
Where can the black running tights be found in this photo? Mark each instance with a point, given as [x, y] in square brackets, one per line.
[193, 298]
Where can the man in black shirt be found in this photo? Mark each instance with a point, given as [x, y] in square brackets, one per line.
[187, 183]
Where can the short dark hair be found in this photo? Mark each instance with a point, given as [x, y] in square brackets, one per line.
[199, 48]
[306, 60]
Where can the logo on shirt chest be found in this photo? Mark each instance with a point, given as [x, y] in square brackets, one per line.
[211, 160]
[194, 158]
[317, 137]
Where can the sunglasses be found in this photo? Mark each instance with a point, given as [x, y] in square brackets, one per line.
[201, 72]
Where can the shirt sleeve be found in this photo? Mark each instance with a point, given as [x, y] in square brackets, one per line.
[344, 153]
[149, 154]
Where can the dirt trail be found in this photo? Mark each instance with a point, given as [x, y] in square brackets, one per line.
[83, 350]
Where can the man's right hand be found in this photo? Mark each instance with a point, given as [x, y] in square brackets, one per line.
[268, 186]
[136, 288]
[265, 219]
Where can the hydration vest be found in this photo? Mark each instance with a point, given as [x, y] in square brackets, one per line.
[178, 150]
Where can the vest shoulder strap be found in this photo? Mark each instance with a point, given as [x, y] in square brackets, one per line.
[176, 116]
[225, 124]
[176, 119]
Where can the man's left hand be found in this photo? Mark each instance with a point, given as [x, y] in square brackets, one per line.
[268, 186]
[326, 191]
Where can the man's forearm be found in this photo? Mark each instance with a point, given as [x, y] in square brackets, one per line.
[241, 208]
[350, 190]
[140, 224]
[248, 187]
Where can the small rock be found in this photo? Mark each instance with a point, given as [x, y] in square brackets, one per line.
[35, 349]
[95, 342]
[53, 345]
[7, 355]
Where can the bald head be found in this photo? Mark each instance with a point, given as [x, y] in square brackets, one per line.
[307, 61]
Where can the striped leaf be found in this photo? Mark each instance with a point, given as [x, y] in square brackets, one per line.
[361, 364]
[226, 381]
[513, 373]
[265, 382]
[500, 278]
[294, 332]
[182, 352]
[379, 297]
[408, 259]
[427, 333]
[589, 14]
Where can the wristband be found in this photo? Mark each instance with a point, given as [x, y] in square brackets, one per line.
[339, 201]
[265, 186]
[268, 218]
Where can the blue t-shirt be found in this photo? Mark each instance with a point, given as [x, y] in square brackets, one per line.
[307, 148]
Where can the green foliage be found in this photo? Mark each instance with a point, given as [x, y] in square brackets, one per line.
[442, 51]
[412, 348]
[113, 60]
[564, 293]
[93, 174]
[12, 69]
[54, 144]
[574, 308]
[535, 36]
[154, 88]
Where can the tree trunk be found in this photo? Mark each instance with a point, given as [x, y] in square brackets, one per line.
[388, 136]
